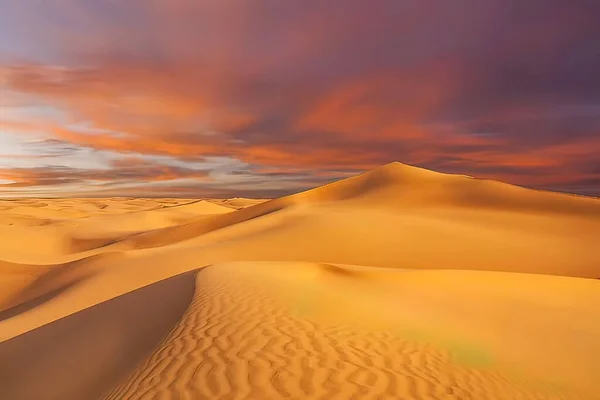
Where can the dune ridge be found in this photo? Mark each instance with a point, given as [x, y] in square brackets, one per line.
[97, 346]
[239, 339]
[397, 283]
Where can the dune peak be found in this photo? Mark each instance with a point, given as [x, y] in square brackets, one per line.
[397, 168]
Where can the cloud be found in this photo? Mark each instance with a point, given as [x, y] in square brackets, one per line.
[490, 88]
[47, 148]
[130, 170]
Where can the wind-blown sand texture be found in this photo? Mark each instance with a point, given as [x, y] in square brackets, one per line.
[400, 283]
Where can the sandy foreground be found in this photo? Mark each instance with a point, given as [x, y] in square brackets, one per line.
[400, 283]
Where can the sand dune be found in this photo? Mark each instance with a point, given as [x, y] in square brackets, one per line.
[299, 330]
[390, 217]
[104, 220]
[400, 283]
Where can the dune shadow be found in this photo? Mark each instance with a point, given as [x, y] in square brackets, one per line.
[78, 244]
[337, 270]
[34, 302]
[86, 354]
[56, 280]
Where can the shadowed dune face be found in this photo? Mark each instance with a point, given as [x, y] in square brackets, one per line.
[43, 283]
[397, 283]
[19, 306]
[337, 271]
[80, 356]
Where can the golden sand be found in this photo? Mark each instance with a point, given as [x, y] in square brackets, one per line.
[400, 283]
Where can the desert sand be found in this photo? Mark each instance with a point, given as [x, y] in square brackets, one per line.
[399, 283]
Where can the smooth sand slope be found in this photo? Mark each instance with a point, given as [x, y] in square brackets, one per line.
[466, 289]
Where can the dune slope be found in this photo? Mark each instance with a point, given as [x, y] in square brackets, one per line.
[79, 356]
[393, 217]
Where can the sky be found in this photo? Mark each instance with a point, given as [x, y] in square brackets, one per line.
[223, 98]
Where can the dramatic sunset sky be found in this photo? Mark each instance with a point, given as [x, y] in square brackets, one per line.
[260, 98]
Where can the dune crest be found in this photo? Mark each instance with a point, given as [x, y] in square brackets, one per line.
[401, 185]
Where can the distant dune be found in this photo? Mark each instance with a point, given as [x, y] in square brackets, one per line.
[399, 283]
